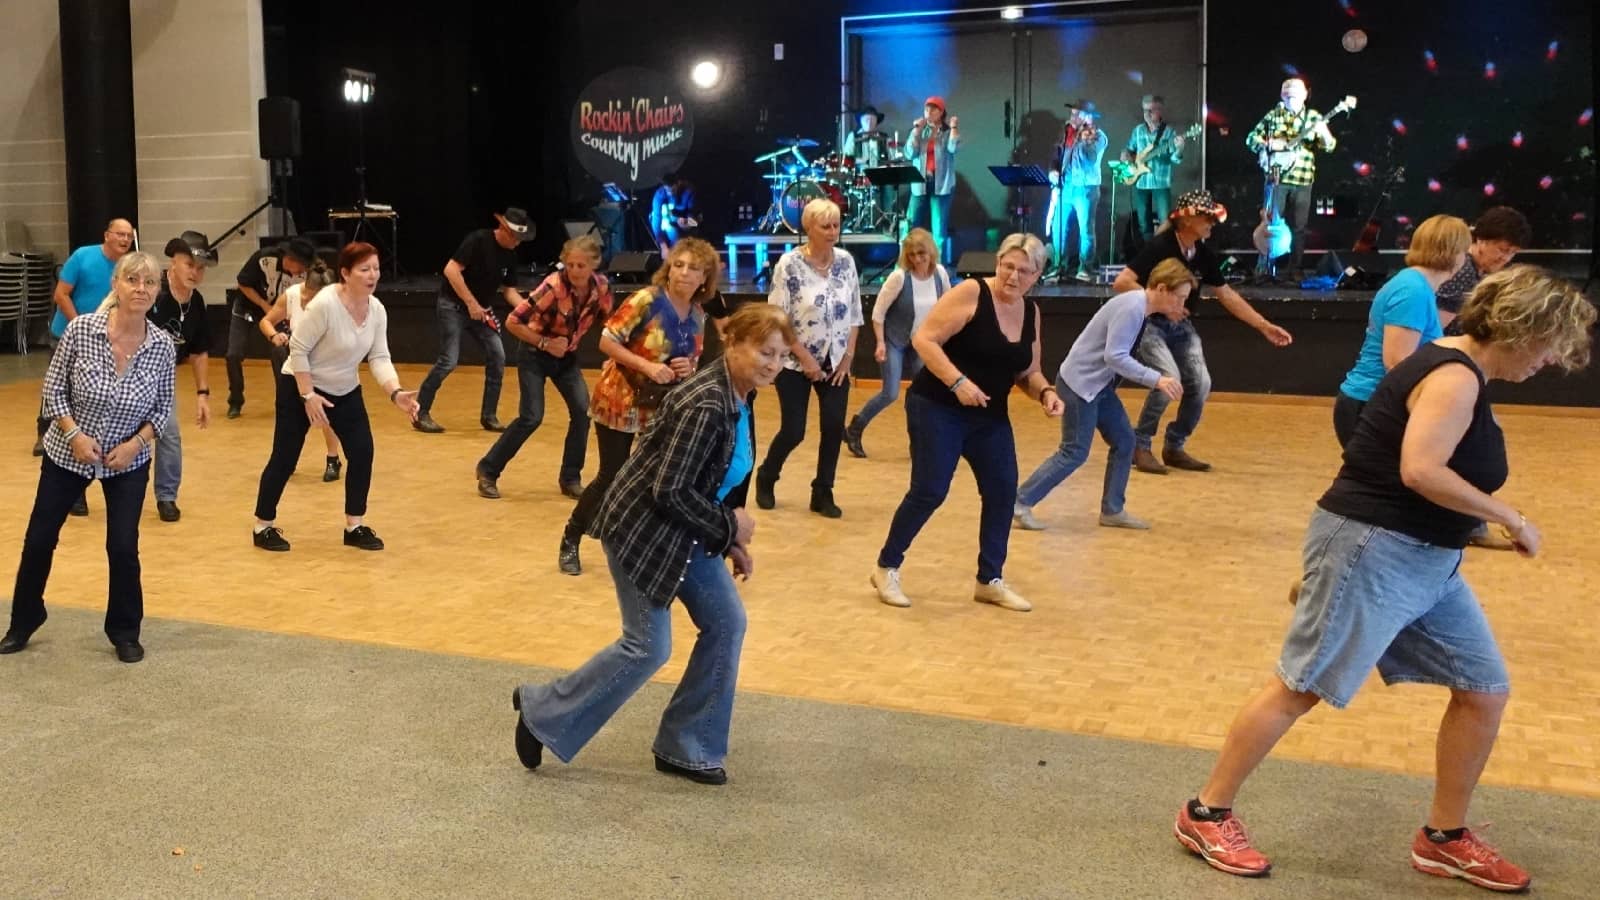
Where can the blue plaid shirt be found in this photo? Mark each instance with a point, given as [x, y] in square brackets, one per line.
[1160, 162]
[82, 381]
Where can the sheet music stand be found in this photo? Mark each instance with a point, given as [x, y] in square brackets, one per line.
[891, 177]
[1021, 178]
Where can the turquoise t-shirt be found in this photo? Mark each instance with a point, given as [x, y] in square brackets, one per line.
[1405, 301]
[89, 272]
[744, 455]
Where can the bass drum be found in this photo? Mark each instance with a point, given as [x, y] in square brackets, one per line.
[797, 195]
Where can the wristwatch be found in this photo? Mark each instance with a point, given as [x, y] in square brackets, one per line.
[308, 395]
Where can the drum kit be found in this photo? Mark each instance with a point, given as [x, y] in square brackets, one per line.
[795, 181]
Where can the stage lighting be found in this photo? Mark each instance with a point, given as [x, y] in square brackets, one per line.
[706, 74]
[1011, 13]
[358, 85]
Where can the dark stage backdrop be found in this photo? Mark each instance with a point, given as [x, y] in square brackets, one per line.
[1109, 59]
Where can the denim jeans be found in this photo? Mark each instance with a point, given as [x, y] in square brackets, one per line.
[942, 436]
[1077, 203]
[453, 322]
[533, 368]
[794, 402]
[169, 460]
[240, 330]
[58, 489]
[1173, 349]
[917, 216]
[898, 363]
[1150, 209]
[567, 712]
[1371, 597]
[1078, 426]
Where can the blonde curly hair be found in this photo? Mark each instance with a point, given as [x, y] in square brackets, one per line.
[1529, 307]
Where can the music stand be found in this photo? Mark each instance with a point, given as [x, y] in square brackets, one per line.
[1021, 178]
[892, 177]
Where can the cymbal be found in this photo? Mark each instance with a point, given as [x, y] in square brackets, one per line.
[768, 157]
[797, 142]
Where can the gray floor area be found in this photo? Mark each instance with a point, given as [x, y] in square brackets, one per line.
[23, 367]
[296, 767]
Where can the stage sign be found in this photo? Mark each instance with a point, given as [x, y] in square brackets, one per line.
[631, 126]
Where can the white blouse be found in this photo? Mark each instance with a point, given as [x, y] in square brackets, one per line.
[328, 343]
[822, 307]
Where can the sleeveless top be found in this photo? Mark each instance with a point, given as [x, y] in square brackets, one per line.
[1368, 487]
[983, 353]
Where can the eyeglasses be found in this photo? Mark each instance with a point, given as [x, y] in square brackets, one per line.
[127, 235]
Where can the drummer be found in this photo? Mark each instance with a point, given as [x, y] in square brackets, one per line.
[869, 148]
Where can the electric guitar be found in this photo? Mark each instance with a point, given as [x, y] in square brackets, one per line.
[1130, 172]
[1284, 159]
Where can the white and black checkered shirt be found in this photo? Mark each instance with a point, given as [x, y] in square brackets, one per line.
[82, 381]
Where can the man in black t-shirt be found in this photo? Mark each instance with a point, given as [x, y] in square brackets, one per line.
[180, 311]
[265, 275]
[481, 272]
[1172, 347]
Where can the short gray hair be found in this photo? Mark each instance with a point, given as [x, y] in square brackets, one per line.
[1028, 244]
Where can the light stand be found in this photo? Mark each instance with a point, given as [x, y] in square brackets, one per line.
[359, 88]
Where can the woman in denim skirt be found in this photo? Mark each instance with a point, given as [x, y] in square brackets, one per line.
[1382, 581]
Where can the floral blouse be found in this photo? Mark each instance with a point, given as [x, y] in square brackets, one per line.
[647, 325]
[823, 308]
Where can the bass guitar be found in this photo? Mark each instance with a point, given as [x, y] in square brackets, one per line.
[1131, 171]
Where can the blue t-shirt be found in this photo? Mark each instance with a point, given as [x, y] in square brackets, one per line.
[1405, 301]
[88, 270]
[744, 455]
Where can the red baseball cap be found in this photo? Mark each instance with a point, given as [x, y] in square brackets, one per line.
[936, 101]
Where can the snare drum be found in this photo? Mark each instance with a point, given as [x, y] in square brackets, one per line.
[839, 170]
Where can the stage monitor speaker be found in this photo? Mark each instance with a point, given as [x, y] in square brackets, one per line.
[278, 120]
[633, 267]
[975, 263]
[577, 228]
[1362, 271]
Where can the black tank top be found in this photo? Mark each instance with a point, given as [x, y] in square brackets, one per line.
[1368, 488]
[983, 353]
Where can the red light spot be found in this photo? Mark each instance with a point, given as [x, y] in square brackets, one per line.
[1516, 139]
[1461, 142]
[1579, 216]
[1550, 52]
[1489, 189]
[1546, 182]
[1434, 185]
[1586, 116]
[1399, 127]
[1489, 71]
[1363, 169]
[1403, 220]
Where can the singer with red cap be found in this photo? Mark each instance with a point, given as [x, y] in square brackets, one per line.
[931, 147]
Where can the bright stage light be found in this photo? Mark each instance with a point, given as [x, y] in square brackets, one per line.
[359, 85]
[706, 74]
[1011, 13]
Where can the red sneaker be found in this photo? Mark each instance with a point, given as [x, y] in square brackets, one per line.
[1224, 845]
[1469, 858]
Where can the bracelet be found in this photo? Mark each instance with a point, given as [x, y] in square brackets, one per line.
[144, 443]
[394, 393]
[72, 434]
[542, 341]
[958, 383]
[1522, 522]
[203, 392]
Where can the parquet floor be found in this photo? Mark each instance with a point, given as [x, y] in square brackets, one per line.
[1155, 636]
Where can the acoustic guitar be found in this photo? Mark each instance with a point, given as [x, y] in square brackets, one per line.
[1284, 159]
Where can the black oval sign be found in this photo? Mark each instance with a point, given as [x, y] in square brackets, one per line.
[632, 127]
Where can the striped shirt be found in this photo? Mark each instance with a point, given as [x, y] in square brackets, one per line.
[1279, 122]
[82, 382]
[663, 510]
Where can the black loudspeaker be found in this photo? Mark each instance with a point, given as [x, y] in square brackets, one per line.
[634, 267]
[975, 263]
[278, 120]
[1362, 271]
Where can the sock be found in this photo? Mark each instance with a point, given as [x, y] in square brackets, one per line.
[259, 528]
[332, 459]
[1199, 811]
[1442, 836]
[350, 528]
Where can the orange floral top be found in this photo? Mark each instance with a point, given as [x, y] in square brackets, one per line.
[648, 326]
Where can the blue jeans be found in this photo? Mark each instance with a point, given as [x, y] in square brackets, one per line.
[898, 362]
[567, 712]
[1077, 202]
[453, 322]
[1371, 597]
[1078, 425]
[169, 460]
[942, 436]
[533, 367]
[58, 489]
[1173, 349]
[1151, 206]
[917, 215]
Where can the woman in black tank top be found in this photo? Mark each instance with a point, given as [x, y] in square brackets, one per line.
[1382, 561]
[980, 339]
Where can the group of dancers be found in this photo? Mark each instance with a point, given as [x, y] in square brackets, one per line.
[1423, 454]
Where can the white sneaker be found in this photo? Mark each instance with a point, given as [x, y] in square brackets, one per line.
[887, 583]
[1023, 516]
[1123, 520]
[1001, 595]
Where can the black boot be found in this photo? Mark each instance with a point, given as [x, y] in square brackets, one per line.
[764, 497]
[331, 471]
[822, 503]
[852, 438]
[568, 559]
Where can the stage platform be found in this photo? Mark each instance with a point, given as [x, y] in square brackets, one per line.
[1328, 327]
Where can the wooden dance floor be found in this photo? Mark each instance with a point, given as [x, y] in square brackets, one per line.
[1155, 636]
